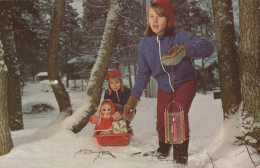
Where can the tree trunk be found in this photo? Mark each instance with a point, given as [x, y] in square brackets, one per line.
[6, 143]
[249, 52]
[58, 87]
[227, 56]
[11, 60]
[94, 89]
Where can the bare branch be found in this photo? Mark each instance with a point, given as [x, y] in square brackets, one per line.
[132, 21]
[240, 153]
[88, 151]
[254, 163]
[213, 164]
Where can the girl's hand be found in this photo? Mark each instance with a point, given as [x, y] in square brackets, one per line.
[174, 55]
[130, 108]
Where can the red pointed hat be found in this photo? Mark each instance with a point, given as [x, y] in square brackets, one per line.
[168, 7]
[113, 73]
[113, 108]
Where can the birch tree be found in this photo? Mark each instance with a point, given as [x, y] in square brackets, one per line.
[6, 143]
[227, 56]
[58, 87]
[249, 54]
[80, 118]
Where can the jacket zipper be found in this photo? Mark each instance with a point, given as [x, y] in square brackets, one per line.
[118, 97]
[158, 41]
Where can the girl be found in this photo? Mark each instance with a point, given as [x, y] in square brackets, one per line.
[116, 91]
[174, 72]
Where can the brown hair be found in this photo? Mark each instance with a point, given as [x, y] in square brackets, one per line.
[159, 10]
[116, 78]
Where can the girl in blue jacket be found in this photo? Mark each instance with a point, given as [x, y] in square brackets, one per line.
[174, 73]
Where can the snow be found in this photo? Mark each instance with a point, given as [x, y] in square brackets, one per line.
[42, 74]
[3, 67]
[77, 4]
[46, 143]
[81, 58]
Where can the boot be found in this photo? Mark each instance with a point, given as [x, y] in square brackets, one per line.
[180, 152]
[162, 152]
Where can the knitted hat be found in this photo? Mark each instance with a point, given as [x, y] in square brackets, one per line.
[113, 108]
[113, 73]
[168, 7]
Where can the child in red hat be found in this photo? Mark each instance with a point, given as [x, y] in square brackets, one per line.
[116, 91]
[166, 54]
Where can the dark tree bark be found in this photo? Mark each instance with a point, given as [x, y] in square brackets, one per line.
[249, 53]
[12, 63]
[227, 56]
[6, 143]
[58, 87]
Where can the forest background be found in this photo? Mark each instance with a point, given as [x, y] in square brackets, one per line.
[27, 26]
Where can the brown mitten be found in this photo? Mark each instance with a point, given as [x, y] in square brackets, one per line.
[174, 55]
[129, 108]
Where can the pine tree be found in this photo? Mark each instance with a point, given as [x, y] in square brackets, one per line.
[69, 42]
[30, 25]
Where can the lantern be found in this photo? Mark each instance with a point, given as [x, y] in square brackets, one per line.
[174, 125]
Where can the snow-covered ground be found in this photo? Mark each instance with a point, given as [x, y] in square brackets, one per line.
[44, 145]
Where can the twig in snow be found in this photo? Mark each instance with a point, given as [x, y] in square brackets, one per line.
[257, 163]
[88, 151]
[137, 153]
[240, 153]
[254, 163]
[213, 164]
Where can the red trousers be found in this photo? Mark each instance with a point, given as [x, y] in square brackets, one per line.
[184, 96]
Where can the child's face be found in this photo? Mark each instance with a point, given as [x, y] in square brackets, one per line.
[115, 84]
[157, 23]
[106, 110]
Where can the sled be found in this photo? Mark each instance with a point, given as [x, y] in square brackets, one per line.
[118, 139]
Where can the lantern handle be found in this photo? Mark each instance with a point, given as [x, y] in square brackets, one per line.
[168, 106]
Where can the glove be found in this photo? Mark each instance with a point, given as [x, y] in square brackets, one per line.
[174, 55]
[129, 108]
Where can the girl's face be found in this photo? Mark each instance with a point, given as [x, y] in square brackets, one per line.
[106, 110]
[157, 23]
[114, 84]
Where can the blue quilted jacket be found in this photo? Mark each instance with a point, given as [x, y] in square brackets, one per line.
[151, 49]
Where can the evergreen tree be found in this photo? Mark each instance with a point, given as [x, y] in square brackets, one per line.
[69, 46]
[31, 27]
